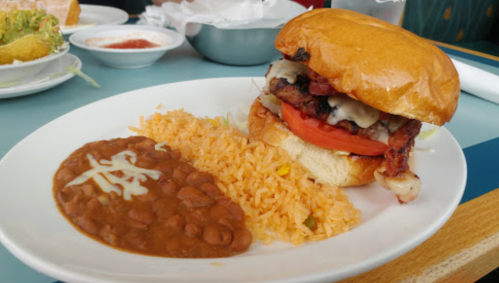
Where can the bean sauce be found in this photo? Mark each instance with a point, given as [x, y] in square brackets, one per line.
[139, 196]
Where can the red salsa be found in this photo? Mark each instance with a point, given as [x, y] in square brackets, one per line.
[132, 44]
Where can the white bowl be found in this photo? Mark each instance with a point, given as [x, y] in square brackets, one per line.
[23, 71]
[94, 40]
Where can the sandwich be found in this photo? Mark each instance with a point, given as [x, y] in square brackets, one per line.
[66, 11]
[349, 96]
[27, 35]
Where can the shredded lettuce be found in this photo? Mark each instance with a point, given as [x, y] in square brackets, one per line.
[421, 149]
[9, 84]
[225, 120]
[340, 152]
[71, 69]
[79, 73]
[20, 82]
[428, 134]
[243, 127]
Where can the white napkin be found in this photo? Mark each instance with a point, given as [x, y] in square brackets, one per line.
[233, 14]
[153, 16]
[477, 81]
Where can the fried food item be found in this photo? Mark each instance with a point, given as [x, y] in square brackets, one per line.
[27, 35]
[73, 15]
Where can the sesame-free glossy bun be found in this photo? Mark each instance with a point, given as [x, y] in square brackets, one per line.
[322, 164]
[378, 63]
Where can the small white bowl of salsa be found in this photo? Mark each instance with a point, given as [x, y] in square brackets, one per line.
[127, 46]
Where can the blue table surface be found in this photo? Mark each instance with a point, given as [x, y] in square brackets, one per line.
[475, 124]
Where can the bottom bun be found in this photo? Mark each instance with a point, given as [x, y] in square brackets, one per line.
[322, 164]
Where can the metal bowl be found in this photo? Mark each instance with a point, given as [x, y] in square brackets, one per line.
[241, 47]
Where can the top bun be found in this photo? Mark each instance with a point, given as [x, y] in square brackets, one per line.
[378, 63]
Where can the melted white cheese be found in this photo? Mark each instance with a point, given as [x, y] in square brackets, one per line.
[286, 69]
[130, 181]
[381, 135]
[346, 108]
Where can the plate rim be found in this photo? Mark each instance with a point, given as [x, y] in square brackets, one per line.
[45, 59]
[368, 264]
[23, 90]
[122, 20]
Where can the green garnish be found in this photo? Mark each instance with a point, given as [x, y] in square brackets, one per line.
[15, 83]
[428, 134]
[310, 222]
[225, 120]
[9, 84]
[82, 75]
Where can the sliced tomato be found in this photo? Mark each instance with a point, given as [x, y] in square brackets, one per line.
[324, 135]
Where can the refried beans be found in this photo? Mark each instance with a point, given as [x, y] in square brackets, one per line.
[139, 196]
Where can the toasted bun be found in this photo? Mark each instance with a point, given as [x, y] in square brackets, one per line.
[378, 63]
[322, 164]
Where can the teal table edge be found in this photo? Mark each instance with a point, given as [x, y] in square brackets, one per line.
[483, 158]
[470, 56]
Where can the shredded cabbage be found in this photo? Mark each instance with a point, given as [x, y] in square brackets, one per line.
[79, 73]
[71, 69]
[421, 149]
[428, 134]
[9, 84]
[340, 152]
[271, 102]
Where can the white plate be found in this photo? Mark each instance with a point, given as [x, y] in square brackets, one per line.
[96, 15]
[54, 74]
[38, 235]
[24, 71]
